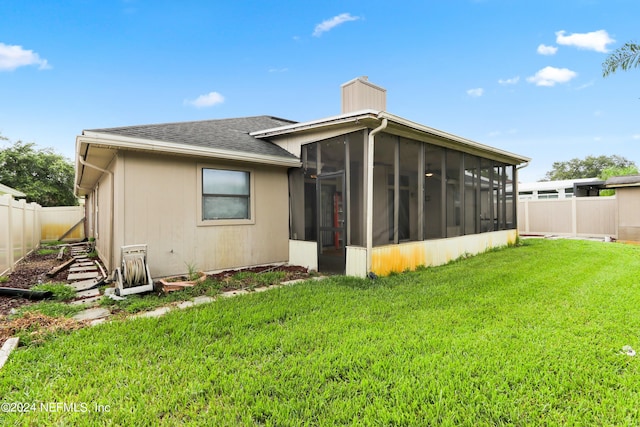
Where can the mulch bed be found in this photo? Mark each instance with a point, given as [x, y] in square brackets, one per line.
[28, 273]
[292, 272]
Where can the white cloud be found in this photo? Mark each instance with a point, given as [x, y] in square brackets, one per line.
[595, 40]
[547, 50]
[331, 23]
[511, 81]
[208, 100]
[475, 92]
[549, 76]
[636, 136]
[12, 57]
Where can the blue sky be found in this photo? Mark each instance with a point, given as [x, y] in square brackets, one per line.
[523, 76]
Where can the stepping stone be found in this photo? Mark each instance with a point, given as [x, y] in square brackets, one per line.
[185, 304]
[83, 264]
[7, 348]
[203, 299]
[83, 301]
[75, 268]
[92, 313]
[84, 268]
[84, 284]
[81, 276]
[155, 313]
[88, 293]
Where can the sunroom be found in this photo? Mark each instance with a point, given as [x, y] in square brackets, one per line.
[378, 193]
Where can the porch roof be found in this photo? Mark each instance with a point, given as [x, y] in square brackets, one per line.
[397, 126]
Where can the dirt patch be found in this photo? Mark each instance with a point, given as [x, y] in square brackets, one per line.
[36, 325]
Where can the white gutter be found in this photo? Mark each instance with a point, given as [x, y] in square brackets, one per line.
[369, 222]
[111, 237]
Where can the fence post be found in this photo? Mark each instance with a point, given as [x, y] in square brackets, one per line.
[10, 257]
[574, 217]
[22, 205]
[35, 237]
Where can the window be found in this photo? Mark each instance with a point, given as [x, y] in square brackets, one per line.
[225, 194]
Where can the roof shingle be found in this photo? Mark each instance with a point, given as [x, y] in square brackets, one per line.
[222, 134]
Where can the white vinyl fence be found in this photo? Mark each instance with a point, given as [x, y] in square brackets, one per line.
[24, 225]
[577, 216]
[19, 230]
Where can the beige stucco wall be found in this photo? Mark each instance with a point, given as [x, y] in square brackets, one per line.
[101, 212]
[157, 204]
[628, 218]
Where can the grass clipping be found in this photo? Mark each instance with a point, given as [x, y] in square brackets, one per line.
[34, 327]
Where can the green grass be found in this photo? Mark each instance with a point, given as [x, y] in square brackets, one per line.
[61, 291]
[47, 251]
[523, 336]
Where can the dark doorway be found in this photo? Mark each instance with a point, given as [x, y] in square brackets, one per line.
[331, 223]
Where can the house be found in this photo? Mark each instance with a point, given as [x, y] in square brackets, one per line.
[363, 191]
[5, 189]
[562, 189]
[627, 206]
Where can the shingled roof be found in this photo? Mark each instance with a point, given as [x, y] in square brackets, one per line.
[223, 134]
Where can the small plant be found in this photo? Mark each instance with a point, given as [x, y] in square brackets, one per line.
[47, 251]
[4, 279]
[61, 292]
[192, 271]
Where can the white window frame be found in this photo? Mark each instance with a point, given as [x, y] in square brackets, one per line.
[218, 222]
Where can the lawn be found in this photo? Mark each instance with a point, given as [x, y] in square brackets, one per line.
[530, 335]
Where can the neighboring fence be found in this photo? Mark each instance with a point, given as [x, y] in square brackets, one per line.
[57, 222]
[19, 230]
[24, 225]
[577, 216]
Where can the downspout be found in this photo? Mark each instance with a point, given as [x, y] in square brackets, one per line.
[516, 199]
[89, 165]
[370, 147]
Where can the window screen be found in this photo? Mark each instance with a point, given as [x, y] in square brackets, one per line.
[225, 194]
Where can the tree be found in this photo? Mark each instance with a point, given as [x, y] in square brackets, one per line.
[589, 167]
[45, 177]
[615, 171]
[624, 58]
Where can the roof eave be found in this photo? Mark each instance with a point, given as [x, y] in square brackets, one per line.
[130, 143]
[117, 142]
[373, 118]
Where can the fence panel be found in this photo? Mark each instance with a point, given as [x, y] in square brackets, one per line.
[5, 232]
[19, 230]
[55, 221]
[578, 216]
